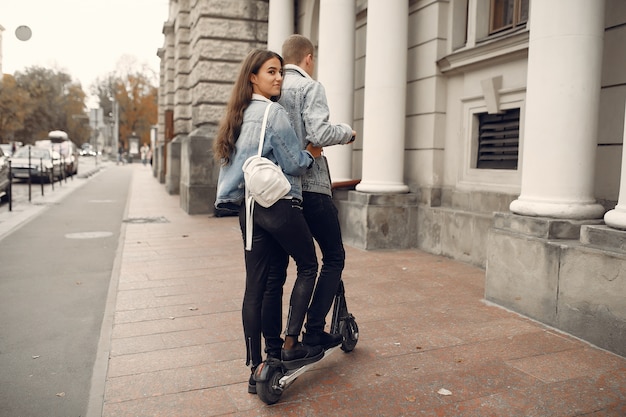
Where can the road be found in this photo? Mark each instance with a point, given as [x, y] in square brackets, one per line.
[55, 271]
[21, 191]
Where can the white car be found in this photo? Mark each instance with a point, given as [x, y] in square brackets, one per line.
[4, 174]
[7, 149]
[42, 163]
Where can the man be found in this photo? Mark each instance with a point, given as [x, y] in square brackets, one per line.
[305, 101]
[120, 153]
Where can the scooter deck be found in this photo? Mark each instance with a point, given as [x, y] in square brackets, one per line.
[291, 375]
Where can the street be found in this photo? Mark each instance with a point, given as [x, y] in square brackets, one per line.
[54, 279]
[21, 191]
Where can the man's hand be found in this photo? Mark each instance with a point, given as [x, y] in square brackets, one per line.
[353, 137]
[314, 150]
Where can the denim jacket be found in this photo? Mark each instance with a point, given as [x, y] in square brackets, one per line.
[305, 101]
[280, 146]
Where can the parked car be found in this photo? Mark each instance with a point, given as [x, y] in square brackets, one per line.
[87, 149]
[58, 141]
[69, 156]
[4, 174]
[6, 148]
[44, 163]
[9, 148]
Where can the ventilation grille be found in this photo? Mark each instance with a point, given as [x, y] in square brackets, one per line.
[498, 140]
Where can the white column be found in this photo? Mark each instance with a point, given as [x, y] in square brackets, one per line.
[335, 70]
[280, 24]
[561, 122]
[384, 114]
[616, 218]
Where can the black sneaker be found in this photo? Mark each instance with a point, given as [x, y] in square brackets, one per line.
[273, 354]
[252, 383]
[301, 355]
[323, 339]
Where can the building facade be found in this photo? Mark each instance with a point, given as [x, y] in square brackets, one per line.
[1, 30]
[488, 131]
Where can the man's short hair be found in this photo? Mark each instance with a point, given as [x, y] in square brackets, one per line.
[296, 48]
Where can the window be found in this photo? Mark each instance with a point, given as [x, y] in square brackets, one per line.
[507, 14]
[498, 140]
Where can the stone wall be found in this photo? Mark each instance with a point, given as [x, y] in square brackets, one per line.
[220, 35]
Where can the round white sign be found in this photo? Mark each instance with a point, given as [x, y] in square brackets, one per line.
[23, 33]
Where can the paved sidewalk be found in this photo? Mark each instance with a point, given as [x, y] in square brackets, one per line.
[176, 345]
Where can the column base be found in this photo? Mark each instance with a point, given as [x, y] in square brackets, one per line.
[161, 160]
[172, 176]
[616, 218]
[574, 210]
[199, 172]
[379, 221]
[382, 187]
[537, 267]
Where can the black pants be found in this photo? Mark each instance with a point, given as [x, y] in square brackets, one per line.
[323, 221]
[278, 231]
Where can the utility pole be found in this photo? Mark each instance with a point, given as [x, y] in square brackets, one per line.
[93, 121]
[116, 118]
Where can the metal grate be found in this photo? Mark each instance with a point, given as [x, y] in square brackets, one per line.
[498, 140]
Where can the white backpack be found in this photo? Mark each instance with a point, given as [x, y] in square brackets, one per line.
[265, 182]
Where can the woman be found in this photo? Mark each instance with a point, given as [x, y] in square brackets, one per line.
[278, 229]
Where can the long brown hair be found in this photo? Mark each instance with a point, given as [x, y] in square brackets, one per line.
[230, 125]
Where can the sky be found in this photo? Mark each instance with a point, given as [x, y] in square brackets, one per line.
[87, 39]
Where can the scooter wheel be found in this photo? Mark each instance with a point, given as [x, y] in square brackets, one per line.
[269, 390]
[350, 332]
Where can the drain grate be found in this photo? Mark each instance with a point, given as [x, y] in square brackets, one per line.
[143, 220]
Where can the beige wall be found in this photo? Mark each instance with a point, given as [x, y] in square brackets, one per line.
[1, 30]
[445, 91]
[612, 99]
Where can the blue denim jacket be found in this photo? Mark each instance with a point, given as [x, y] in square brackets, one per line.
[280, 146]
[305, 101]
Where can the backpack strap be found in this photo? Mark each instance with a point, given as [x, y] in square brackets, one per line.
[262, 136]
[249, 199]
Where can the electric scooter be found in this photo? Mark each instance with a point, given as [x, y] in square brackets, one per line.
[272, 378]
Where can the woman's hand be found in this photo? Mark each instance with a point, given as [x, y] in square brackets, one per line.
[314, 150]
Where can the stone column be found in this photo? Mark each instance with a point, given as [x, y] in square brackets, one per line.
[385, 97]
[182, 97]
[561, 123]
[160, 140]
[335, 70]
[280, 23]
[169, 66]
[616, 218]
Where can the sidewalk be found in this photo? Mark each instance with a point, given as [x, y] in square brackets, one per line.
[174, 340]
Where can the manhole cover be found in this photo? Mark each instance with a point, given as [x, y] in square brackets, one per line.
[141, 220]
